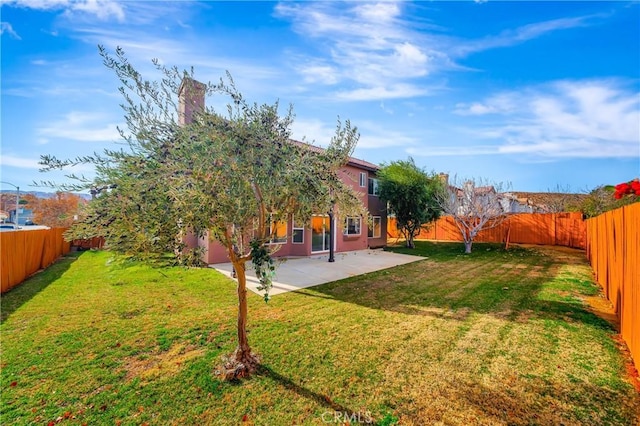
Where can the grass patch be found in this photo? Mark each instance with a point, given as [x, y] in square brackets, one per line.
[495, 337]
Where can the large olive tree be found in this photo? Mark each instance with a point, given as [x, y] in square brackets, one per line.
[230, 175]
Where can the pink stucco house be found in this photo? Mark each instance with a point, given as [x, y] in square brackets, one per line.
[306, 239]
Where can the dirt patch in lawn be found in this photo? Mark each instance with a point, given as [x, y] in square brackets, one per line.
[163, 363]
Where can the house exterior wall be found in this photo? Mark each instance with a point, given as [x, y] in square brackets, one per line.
[214, 252]
[356, 174]
[23, 215]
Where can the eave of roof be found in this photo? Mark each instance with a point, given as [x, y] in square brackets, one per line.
[354, 162]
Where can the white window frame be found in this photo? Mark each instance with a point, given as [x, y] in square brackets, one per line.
[375, 188]
[363, 179]
[372, 228]
[293, 232]
[345, 230]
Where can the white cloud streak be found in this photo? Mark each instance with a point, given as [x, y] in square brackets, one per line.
[19, 162]
[372, 135]
[521, 34]
[102, 9]
[6, 27]
[563, 119]
[82, 127]
[376, 53]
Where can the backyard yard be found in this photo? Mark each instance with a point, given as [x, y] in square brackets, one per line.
[495, 337]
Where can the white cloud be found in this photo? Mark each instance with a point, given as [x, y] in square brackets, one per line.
[370, 45]
[102, 9]
[319, 73]
[501, 103]
[563, 119]
[374, 48]
[81, 126]
[521, 34]
[372, 135]
[396, 91]
[455, 151]
[23, 163]
[6, 27]
[378, 12]
[312, 131]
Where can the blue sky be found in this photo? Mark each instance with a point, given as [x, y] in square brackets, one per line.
[540, 95]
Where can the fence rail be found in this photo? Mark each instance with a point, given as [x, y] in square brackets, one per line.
[561, 229]
[613, 249]
[23, 253]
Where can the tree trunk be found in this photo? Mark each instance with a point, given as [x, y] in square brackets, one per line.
[242, 363]
[243, 350]
[467, 246]
[410, 243]
[408, 237]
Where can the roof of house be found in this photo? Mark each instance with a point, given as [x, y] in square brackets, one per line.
[477, 190]
[548, 199]
[355, 162]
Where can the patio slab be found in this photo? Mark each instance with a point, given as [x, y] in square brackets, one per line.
[302, 272]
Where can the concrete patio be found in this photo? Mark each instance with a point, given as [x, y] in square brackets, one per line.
[302, 272]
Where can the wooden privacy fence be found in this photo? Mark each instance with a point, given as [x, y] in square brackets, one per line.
[613, 249]
[558, 229]
[23, 253]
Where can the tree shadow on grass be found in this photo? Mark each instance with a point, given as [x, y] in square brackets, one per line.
[510, 285]
[512, 403]
[29, 288]
[323, 400]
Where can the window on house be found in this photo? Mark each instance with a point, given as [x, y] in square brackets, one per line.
[373, 186]
[352, 226]
[363, 179]
[375, 230]
[298, 233]
[278, 231]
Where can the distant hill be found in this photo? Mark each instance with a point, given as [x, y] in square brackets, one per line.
[42, 194]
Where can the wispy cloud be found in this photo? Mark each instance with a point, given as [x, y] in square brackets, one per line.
[372, 135]
[563, 119]
[81, 126]
[522, 34]
[6, 27]
[20, 162]
[102, 9]
[368, 44]
[376, 52]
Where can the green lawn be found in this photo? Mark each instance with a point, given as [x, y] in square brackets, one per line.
[493, 337]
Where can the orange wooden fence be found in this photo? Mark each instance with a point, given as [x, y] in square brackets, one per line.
[613, 249]
[24, 252]
[562, 229]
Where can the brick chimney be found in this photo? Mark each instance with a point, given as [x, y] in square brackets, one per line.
[444, 178]
[190, 99]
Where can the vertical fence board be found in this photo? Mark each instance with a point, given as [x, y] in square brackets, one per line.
[613, 249]
[23, 253]
[567, 229]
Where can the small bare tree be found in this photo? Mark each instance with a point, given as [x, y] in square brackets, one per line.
[474, 205]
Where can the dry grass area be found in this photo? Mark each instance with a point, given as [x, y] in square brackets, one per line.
[491, 338]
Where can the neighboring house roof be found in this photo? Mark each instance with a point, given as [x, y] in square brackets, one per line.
[549, 201]
[480, 190]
